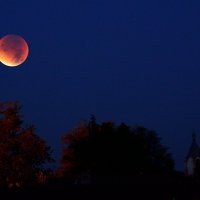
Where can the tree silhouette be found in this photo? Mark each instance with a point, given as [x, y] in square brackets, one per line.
[107, 150]
[22, 152]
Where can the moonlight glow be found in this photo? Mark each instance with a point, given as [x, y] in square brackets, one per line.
[13, 50]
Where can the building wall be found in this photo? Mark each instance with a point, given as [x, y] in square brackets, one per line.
[190, 166]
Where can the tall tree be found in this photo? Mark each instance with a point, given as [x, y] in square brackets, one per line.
[109, 150]
[22, 152]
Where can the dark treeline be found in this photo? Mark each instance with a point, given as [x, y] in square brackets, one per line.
[92, 155]
[108, 151]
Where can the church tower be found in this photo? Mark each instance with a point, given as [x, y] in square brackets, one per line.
[192, 161]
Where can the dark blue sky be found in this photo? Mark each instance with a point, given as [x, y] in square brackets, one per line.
[123, 60]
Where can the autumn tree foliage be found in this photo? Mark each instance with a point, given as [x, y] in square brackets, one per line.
[22, 152]
[109, 150]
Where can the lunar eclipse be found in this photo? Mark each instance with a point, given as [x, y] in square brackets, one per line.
[13, 50]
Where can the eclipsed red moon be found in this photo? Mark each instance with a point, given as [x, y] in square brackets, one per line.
[13, 50]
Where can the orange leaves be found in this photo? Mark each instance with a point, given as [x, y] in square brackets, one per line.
[22, 152]
[75, 135]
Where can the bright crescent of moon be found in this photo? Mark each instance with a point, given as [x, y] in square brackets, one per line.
[13, 50]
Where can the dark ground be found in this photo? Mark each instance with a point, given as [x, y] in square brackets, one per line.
[178, 187]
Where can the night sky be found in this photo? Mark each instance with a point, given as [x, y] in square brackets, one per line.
[122, 60]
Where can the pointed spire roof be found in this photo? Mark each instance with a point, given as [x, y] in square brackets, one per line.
[194, 150]
[194, 135]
